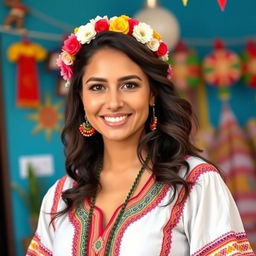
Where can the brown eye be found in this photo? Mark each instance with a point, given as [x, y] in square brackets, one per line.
[96, 87]
[130, 85]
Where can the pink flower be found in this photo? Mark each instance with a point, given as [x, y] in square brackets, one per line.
[65, 71]
[71, 45]
[67, 58]
[101, 25]
[162, 50]
[132, 23]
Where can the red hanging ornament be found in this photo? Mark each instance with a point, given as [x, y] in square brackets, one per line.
[186, 68]
[248, 58]
[26, 54]
[222, 4]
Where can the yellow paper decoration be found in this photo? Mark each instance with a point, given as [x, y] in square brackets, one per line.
[185, 2]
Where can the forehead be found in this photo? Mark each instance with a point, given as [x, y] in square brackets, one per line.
[109, 62]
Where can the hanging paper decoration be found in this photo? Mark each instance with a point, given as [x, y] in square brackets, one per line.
[186, 68]
[47, 117]
[16, 15]
[250, 131]
[231, 152]
[185, 2]
[248, 58]
[221, 68]
[204, 136]
[26, 54]
[222, 4]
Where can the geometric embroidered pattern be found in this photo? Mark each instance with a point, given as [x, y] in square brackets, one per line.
[78, 219]
[229, 244]
[143, 204]
[178, 207]
[36, 248]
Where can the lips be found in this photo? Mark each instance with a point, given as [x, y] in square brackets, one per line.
[115, 120]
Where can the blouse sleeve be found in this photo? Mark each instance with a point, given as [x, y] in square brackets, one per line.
[211, 219]
[42, 241]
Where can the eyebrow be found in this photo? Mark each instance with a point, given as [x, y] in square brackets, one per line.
[121, 79]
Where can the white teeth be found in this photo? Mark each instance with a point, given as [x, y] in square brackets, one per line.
[114, 119]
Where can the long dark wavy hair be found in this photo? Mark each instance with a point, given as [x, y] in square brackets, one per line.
[167, 146]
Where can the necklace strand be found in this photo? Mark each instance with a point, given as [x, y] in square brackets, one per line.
[112, 232]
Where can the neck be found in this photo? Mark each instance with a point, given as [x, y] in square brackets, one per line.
[119, 155]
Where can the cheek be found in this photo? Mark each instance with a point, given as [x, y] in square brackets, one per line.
[90, 103]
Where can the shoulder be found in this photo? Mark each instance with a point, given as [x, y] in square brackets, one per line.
[53, 196]
[61, 185]
[198, 169]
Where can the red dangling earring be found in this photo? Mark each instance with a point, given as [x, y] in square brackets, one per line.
[153, 124]
[86, 129]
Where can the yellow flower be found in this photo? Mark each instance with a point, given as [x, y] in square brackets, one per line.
[125, 17]
[76, 29]
[156, 35]
[119, 24]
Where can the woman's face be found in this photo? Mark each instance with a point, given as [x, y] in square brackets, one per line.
[116, 95]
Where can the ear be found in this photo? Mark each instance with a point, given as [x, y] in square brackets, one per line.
[152, 99]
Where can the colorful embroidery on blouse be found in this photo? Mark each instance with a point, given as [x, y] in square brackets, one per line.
[56, 199]
[178, 208]
[36, 248]
[137, 208]
[229, 244]
[78, 218]
[152, 199]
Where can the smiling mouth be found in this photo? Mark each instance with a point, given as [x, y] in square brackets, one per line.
[115, 120]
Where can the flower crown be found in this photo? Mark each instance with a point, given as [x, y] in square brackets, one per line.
[142, 32]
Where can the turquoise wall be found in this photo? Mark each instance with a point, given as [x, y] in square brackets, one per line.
[200, 19]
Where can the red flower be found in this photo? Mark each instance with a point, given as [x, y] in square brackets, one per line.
[132, 23]
[71, 45]
[162, 49]
[101, 25]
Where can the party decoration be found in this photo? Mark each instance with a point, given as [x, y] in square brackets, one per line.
[162, 20]
[47, 117]
[26, 54]
[186, 68]
[231, 152]
[185, 2]
[222, 4]
[250, 130]
[221, 68]
[248, 58]
[204, 136]
[16, 15]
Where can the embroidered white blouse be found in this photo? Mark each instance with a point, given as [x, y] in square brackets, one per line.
[206, 223]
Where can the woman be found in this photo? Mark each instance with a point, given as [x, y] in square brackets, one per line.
[135, 184]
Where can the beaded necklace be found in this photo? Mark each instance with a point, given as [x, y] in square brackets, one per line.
[112, 232]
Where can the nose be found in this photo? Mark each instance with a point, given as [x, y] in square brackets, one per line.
[114, 100]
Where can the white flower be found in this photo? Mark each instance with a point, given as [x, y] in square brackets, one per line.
[93, 21]
[143, 32]
[67, 58]
[153, 44]
[165, 57]
[85, 33]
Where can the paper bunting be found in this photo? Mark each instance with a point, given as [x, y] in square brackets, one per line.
[185, 2]
[221, 68]
[248, 58]
[222, 4]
